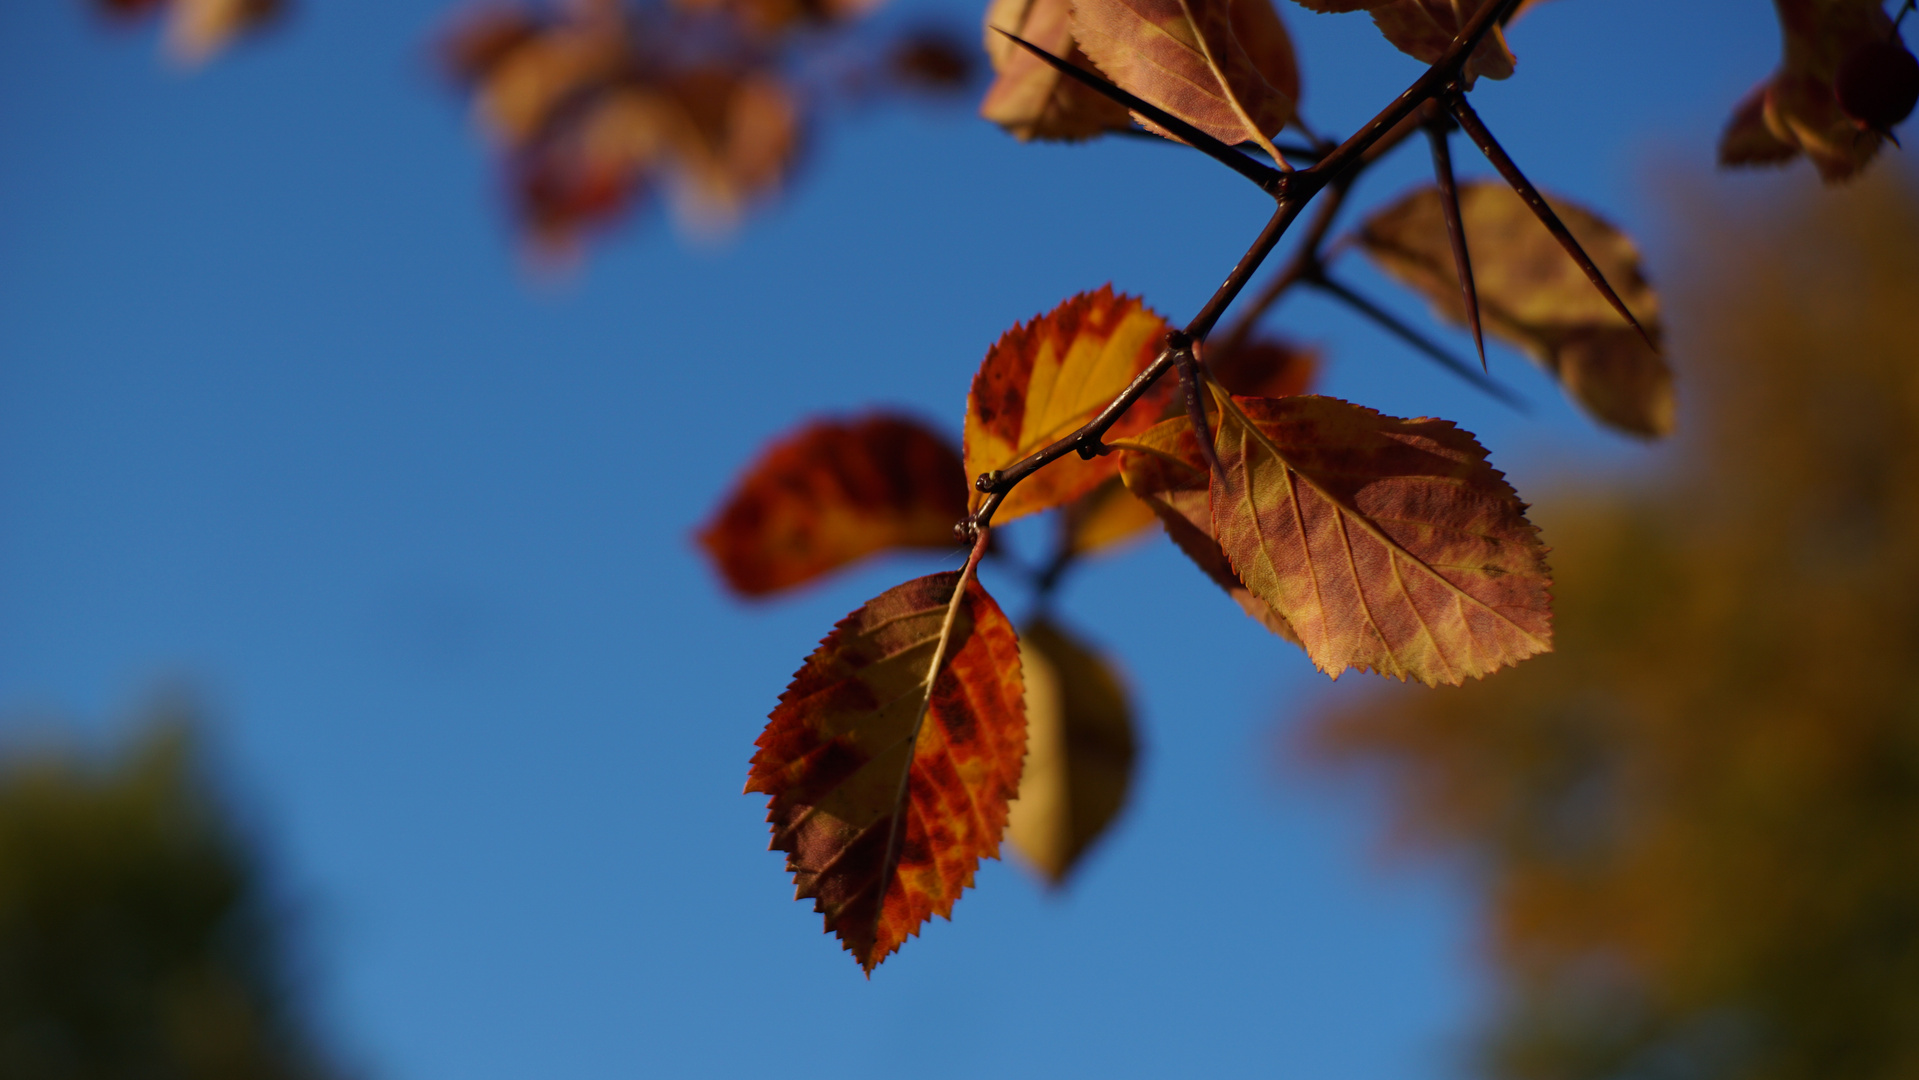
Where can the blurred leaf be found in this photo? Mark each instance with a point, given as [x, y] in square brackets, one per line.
[1796, 110]
[1028, 97]
[198, 29]
[1264, 367]
[1388, 545]
[1224, 66]
[1424, 29]
[1534, 296]
[834, 492]
[891, 758]
[1080, 748]
[1104, 517]
[1164, 467]
[136, 937]
[1695, 822]
[933, 60]
[1045, 378]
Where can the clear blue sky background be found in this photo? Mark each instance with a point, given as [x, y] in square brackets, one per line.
[281, 415]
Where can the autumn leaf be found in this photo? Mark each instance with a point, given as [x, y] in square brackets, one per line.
[1080, 751]
[1029, 97]
[1797, 110]
[1264, 367]
[891, 758]
[198, 29]
[1534, 296]
[1425, 29]
[1045, 378]
[1224, 66]
[834, 492]
[1164, 468]
[1104, 517]
[1388, 545]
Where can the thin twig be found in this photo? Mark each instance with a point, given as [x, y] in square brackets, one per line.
[1424, 345]
[1305, 258]
[1482, 136]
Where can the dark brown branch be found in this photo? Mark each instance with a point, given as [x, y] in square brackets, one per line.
[1186, 357]
[1269, 179]
[1424, 345]
[1305, 260]
[1246, 267]
[1439, 130]
[1483, 137]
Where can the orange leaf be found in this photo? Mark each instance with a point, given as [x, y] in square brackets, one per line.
[1080, 751]
[1533, 295]
[1104, 517]
[1389, 545]
[1424, 29]
[1262, 367]
[1797, 109]
[1165, 468]
[891, 758]
[1224, 66]
[1045, 378]
[1029, 97]
[834, 492]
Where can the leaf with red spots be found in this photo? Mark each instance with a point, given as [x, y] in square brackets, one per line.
[831, 493]
[1388, 545]
[1047, 377]
[891, 758]
[1164, 467]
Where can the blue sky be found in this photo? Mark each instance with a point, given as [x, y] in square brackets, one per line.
[282, 418]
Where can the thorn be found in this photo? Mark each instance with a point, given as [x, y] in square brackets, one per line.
[1426, 347]
[1186, 358]
[1267, 178]
[1439, 133]
[1483, 138]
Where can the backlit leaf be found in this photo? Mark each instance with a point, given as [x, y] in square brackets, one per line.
[1029, 97]
[891, 758]
[833, 492]
[1388, 545]
[1797, 110]
[1080, 751]
[1104, 517]
[1424, 29]
[1045, 378]
[1225, 66]
[197, 29]
[1163, 466]
[1534, 296]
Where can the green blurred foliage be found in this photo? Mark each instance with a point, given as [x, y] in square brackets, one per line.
[136, 939]
[1698, 820]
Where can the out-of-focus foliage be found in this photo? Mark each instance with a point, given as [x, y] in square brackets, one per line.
[598, 104]
[1533, 295]
[1799, 110]
[1424, 28]
[197, 29]
[1698, 821]
[136, 941]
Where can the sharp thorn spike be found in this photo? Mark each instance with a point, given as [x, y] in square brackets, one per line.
[1267, 178]
[1482, 137]
[1186, 358]
[1439, 133]
[1391, 323]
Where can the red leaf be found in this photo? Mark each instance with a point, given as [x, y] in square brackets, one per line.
[891, 758]
[834, 492]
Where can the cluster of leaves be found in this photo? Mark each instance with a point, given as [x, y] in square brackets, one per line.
[197, 29]
[135, 939]
[1697, 821]
[1374, 543]
[597, 103]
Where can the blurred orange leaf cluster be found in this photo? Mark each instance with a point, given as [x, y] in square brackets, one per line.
[197, 29]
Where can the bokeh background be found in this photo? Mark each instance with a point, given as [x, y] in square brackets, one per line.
[291, 431]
